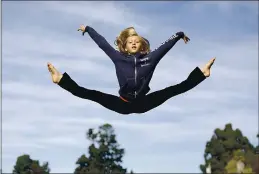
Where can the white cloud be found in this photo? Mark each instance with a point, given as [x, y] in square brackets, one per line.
[112, 13]
[225, 7]
[12, 145]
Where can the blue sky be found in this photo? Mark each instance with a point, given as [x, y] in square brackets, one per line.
[43, 120]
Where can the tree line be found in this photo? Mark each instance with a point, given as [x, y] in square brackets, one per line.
[228, 151]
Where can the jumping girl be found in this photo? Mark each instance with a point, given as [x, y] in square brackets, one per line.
[134, 69]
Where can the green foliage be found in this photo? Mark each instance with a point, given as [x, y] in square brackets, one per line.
[231, 166]
[25, 165]
[203, 168]
[105, 155]
[220, 149]
[238, 156]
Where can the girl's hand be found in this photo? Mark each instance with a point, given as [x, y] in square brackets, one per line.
[186, 39]
[82, 28]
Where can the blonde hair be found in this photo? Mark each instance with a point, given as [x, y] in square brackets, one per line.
[121, 40]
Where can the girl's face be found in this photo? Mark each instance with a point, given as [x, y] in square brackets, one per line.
[133, 44]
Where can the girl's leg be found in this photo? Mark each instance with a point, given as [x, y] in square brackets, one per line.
[108, 101]
[159, 97]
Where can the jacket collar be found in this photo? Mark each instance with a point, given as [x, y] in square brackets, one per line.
[137, 55]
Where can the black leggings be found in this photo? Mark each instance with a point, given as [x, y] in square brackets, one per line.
[140, 105]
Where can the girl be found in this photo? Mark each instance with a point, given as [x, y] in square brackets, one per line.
[134, 63]
[134, 71]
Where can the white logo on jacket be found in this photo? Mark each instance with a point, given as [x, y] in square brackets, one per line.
[172, 37]
[144, 61]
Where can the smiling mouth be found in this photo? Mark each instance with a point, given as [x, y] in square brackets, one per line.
[134, 47]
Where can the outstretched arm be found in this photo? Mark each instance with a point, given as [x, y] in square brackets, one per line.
[101, 42]
[160, 52]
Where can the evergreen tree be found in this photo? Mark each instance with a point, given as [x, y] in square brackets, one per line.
[25, 165]
[105, 154]
[221, 147]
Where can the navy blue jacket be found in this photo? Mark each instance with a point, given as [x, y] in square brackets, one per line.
[133, 71]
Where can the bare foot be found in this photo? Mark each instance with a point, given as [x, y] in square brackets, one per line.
[206, 69]
[55, 74]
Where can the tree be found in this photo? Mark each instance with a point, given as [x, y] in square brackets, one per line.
[220, 149]
[105, 155]
[25, 165]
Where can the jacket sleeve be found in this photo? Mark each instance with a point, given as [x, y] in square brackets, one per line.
[102, 43]
[159, 53]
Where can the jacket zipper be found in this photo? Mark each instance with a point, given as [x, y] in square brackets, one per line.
[135, 75]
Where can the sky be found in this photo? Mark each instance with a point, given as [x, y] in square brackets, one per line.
[41, 119]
